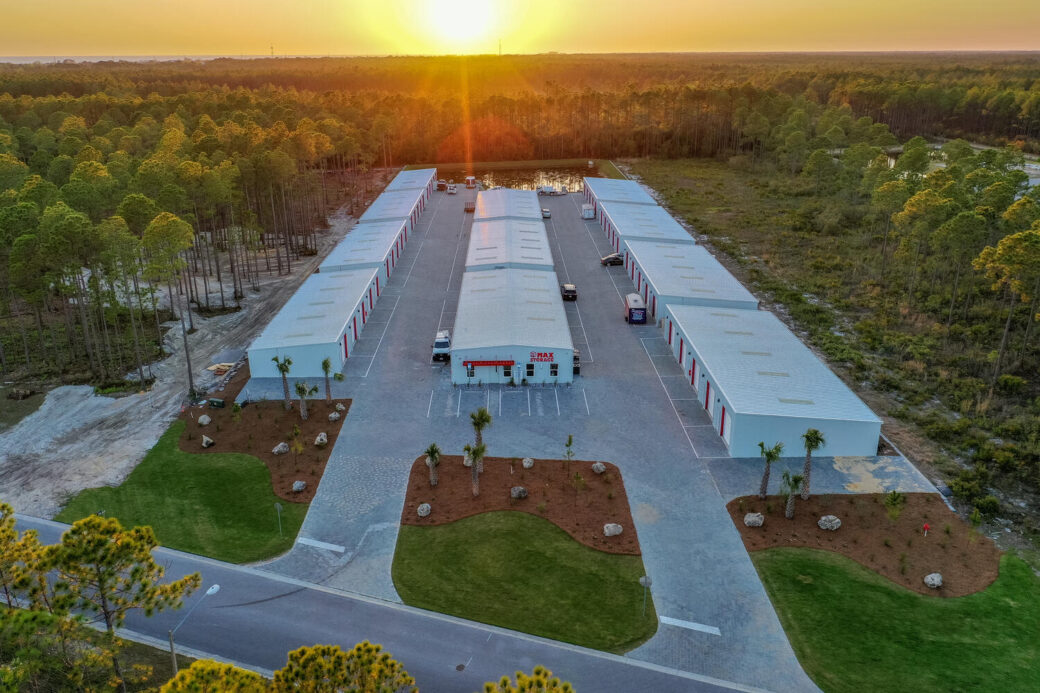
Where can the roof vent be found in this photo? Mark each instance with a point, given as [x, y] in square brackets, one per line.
[787, 400]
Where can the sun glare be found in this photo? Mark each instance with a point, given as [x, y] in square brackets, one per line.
[460, 25]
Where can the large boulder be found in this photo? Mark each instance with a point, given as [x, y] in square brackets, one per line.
[933, 580]
[527, 463]
[281, 448]
[518, 492]
[754, 519]
[599, 467]
[612, 529]
[207, 441]
[829, 522]
[423, 510]
[322, 440]
[340, 406]
[204, 420]
[298, 486]
[334, 416]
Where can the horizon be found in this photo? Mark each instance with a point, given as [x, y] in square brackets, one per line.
[334, 28]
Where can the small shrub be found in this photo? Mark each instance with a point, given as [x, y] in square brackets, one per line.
[610, 495]
[769, 508]
[975, 518]
[741, 507]
[909, 543]
[987, 505]
[902, 564]
[218, 428]
[888, 542]
[948, 529]
[541, 507]
[894, 502]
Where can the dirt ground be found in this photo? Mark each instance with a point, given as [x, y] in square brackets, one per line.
[579, 508]
[78, 440]
[261, 426]
[895, 548]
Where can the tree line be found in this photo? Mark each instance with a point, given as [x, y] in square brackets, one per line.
[115, 219]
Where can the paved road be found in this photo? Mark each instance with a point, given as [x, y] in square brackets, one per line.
[257, 617]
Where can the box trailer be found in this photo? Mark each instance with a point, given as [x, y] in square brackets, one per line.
[588, 212]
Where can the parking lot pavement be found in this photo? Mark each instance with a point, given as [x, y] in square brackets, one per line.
[741, 477]
[625, 408]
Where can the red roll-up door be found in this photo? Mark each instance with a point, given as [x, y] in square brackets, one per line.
[669, 333]
[707, 395]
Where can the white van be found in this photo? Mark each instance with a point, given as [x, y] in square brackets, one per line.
[442, 346]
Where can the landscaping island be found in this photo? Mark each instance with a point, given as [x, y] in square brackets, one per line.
[220, 501]
[859, 615]
[539, 564]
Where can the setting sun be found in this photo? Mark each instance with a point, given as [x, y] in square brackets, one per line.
[460, 25]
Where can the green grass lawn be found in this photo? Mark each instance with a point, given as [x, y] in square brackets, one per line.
[855, 631]
[218, 505]
[521, 572]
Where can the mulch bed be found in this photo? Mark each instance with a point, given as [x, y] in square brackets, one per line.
[894, 548]
[578, 508]
[261, 426]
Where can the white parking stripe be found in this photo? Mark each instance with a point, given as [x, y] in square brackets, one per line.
[690, 625]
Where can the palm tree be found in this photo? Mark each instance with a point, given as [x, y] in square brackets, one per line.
[326, 368]
[813, 440]
[303, 391]
[476, 454]
[433, 458]
[283, 368]
[789, 487]
[480, 419]
[772, 455]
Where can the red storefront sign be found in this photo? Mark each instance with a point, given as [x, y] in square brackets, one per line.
[475, 364]
[543, 356]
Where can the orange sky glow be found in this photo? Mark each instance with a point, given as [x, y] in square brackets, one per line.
[52, 28]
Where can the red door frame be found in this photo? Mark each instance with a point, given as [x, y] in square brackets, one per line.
[722, 422]
[669, 333]
[346, 351]
[693, 373]
[707, 395]
[681, 352]
[371, 303]
[355, 328]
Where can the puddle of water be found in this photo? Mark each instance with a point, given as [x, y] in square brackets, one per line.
[526, 178]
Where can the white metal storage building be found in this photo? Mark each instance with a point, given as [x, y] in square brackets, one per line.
[423, 178]
[599, 190]
[758, 382]
[323, 319]
[623, 221]
[396, 204]
[511, 325]
[682, 274]
[508, 243]
[506, 203]
[378, 244]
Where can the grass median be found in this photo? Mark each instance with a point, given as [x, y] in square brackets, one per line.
[853, 630]
[522, 572]
[218, 505]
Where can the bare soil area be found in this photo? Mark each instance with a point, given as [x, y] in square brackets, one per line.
[259, 427]
[892, 545]
[568, 494]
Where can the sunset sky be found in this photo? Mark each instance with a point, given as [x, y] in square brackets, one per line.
[51, 28]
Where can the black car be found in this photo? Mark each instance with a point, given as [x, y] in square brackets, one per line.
[612, 259]
[569, 292]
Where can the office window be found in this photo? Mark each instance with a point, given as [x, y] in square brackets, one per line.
[530, 370]
[507, 371]
[469, 371]
[554, 370]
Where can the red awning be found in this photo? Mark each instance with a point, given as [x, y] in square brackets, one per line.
[488, 363]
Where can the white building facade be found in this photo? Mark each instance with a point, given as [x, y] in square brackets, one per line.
[758, 382]
[323, 319]
[511, 328]
[682, 274]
